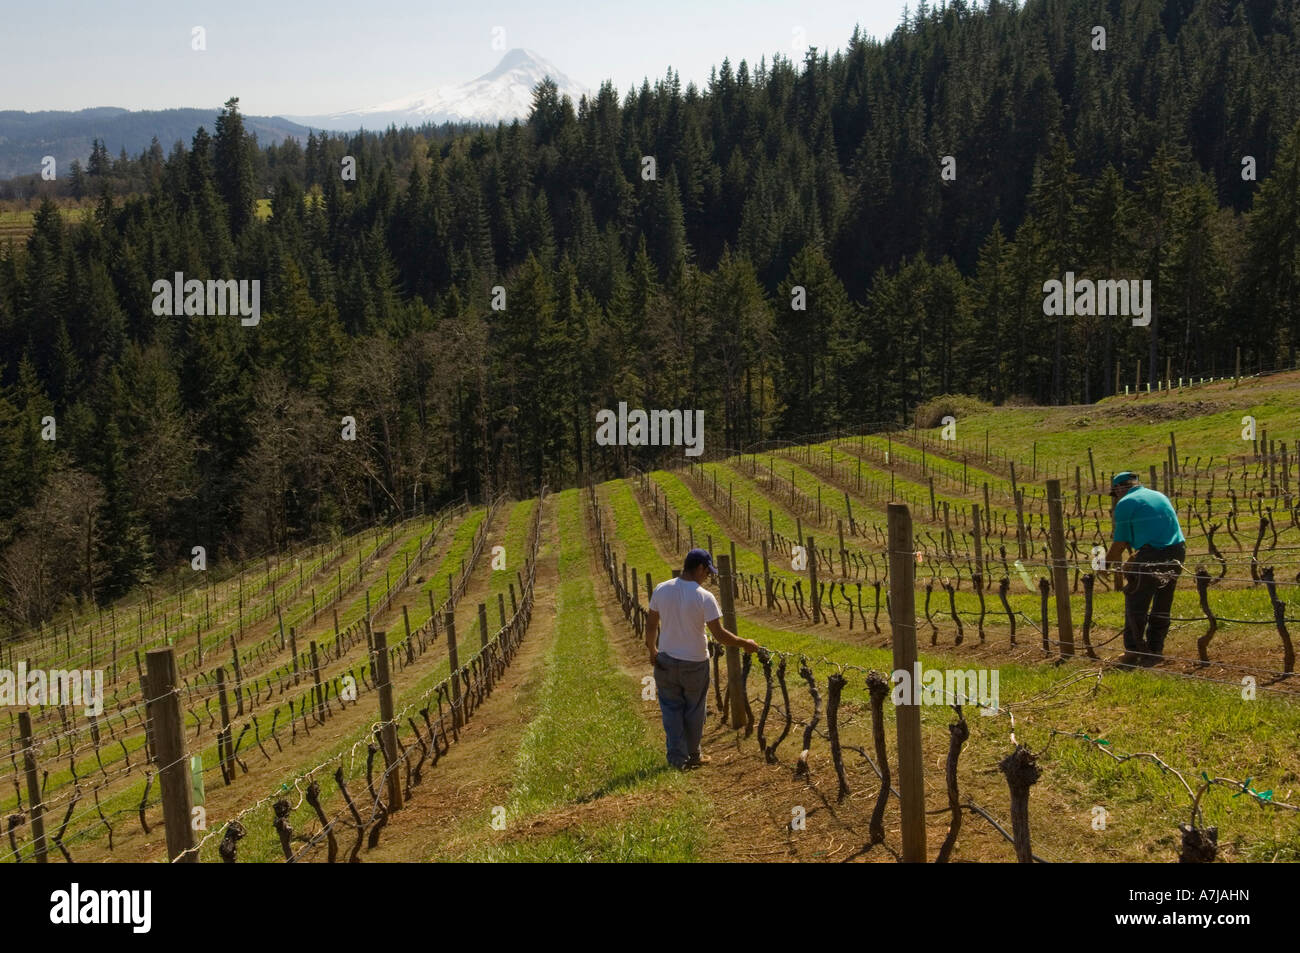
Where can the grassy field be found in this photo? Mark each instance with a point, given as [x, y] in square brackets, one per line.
[1129, 433]
[17, 224]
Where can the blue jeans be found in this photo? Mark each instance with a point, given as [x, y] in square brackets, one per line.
[683, 690]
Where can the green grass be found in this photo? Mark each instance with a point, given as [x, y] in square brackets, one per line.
[514, 540]
[18, 223]
[647, 836]
[588, 741]
[435, 580]
[1130, 433]
[407, 549]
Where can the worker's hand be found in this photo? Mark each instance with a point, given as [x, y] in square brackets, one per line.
[749, 645]
[654, 658]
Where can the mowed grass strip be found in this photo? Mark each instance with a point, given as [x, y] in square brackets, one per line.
[510, 531]
[462, 545]
[590, 783]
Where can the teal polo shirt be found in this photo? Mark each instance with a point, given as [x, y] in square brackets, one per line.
[1146, 517]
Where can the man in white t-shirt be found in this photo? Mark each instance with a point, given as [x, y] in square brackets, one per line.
[680, 610]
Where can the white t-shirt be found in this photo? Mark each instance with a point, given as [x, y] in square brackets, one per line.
[684, 608]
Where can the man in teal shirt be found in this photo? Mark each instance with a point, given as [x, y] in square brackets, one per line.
[1146, 522]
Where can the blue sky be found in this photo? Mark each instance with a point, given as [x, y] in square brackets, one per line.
[299, 58]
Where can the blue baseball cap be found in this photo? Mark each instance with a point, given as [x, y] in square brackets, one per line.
[1122, 478]
[698, 557]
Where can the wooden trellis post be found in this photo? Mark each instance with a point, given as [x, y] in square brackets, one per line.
[37, 808]
[1060, 570]
[172, 760]
[814, 596]
[735, 689]
[454, 662]
[388, 730]
[902, 583]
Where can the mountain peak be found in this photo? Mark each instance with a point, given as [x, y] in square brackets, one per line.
[516, 58]
[502, 95]
[529, 67]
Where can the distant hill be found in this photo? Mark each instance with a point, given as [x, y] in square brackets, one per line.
[502, 95]
[25, 137]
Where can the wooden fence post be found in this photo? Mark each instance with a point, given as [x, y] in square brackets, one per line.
[735, 690]
[172, 760]
[1060, 569]
[224, 758]
[151, 747]
[455, 668]
[902, 584]
[767, 577]
[979, 541]
[844, 553]
[410, 647]
[37, 809]
[1020, 524]
[814, 596]
[239, 678]
[388, 731]
[320, 695]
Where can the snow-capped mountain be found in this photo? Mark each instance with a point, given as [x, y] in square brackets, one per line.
[504, 94]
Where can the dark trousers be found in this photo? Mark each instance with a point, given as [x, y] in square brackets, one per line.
[1149, 597]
